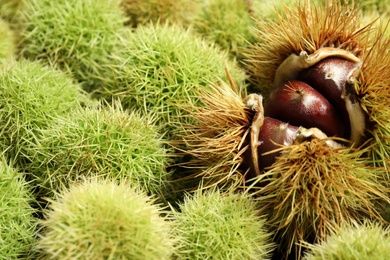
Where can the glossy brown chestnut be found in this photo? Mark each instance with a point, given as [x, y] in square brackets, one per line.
[273, 134]
[333, 78]
[297, 103]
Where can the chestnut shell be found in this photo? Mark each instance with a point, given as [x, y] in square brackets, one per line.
[332, 77]
[299, 104]
[273, 134]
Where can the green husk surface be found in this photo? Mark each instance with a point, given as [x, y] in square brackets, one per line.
[78, 36]
[220, 225]
[32, 95]
[7, 42]
[163, 66]
[369, 240]
[266, 9]
[104, 141]
[142, 12]
[104, 220]
[17, 224]
[9, 9]
[227, 23]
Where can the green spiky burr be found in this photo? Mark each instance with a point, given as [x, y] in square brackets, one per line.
[9, 9]
[369, 240]
[100, 140]
[141, 12]
[265, 9]
[379, 7]
[162, 68]
[378, 11]
[104, 220]
[230, 24]
[220, 225]
[32, 95]
[78, 36]
[17, 224]
[7, 42]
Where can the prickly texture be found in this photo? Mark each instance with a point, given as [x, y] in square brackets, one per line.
[161, 68]
[17, 224]
[354, 241]
[228, 23]
[77, 35]
[304, 27]
[141, 12]
[103, 141]
[376, 8]
[265, 9]
[312, 188]
[32, 95]
[374, 88]
[216, 138]
[379, 6]
[9, 9]
[103, 220]
[7, 42]
[215, 225]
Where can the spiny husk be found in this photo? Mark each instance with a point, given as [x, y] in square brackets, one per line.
[161, 68]
[32, 95]
[215, 141]
[7, 42]
[104, 141]
[77, 36]
[228, 23]
[377, 8]
[216, 224]
[304, 27]
[374, 87]
[369, 240]
[100, 219]
[9, 9]
[17, 224]
[312, 188]
[141, 12]
[265, 9]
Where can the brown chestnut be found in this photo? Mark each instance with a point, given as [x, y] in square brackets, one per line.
[273, 133]
[333, 77]
[297, 103]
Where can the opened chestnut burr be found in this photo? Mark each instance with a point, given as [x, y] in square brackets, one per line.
[297, 103]
[325, 171]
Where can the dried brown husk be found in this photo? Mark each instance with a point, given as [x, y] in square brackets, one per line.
[374, 89]
[216, 139]
[312, 188]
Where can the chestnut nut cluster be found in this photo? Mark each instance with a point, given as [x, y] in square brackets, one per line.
[313, 97]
